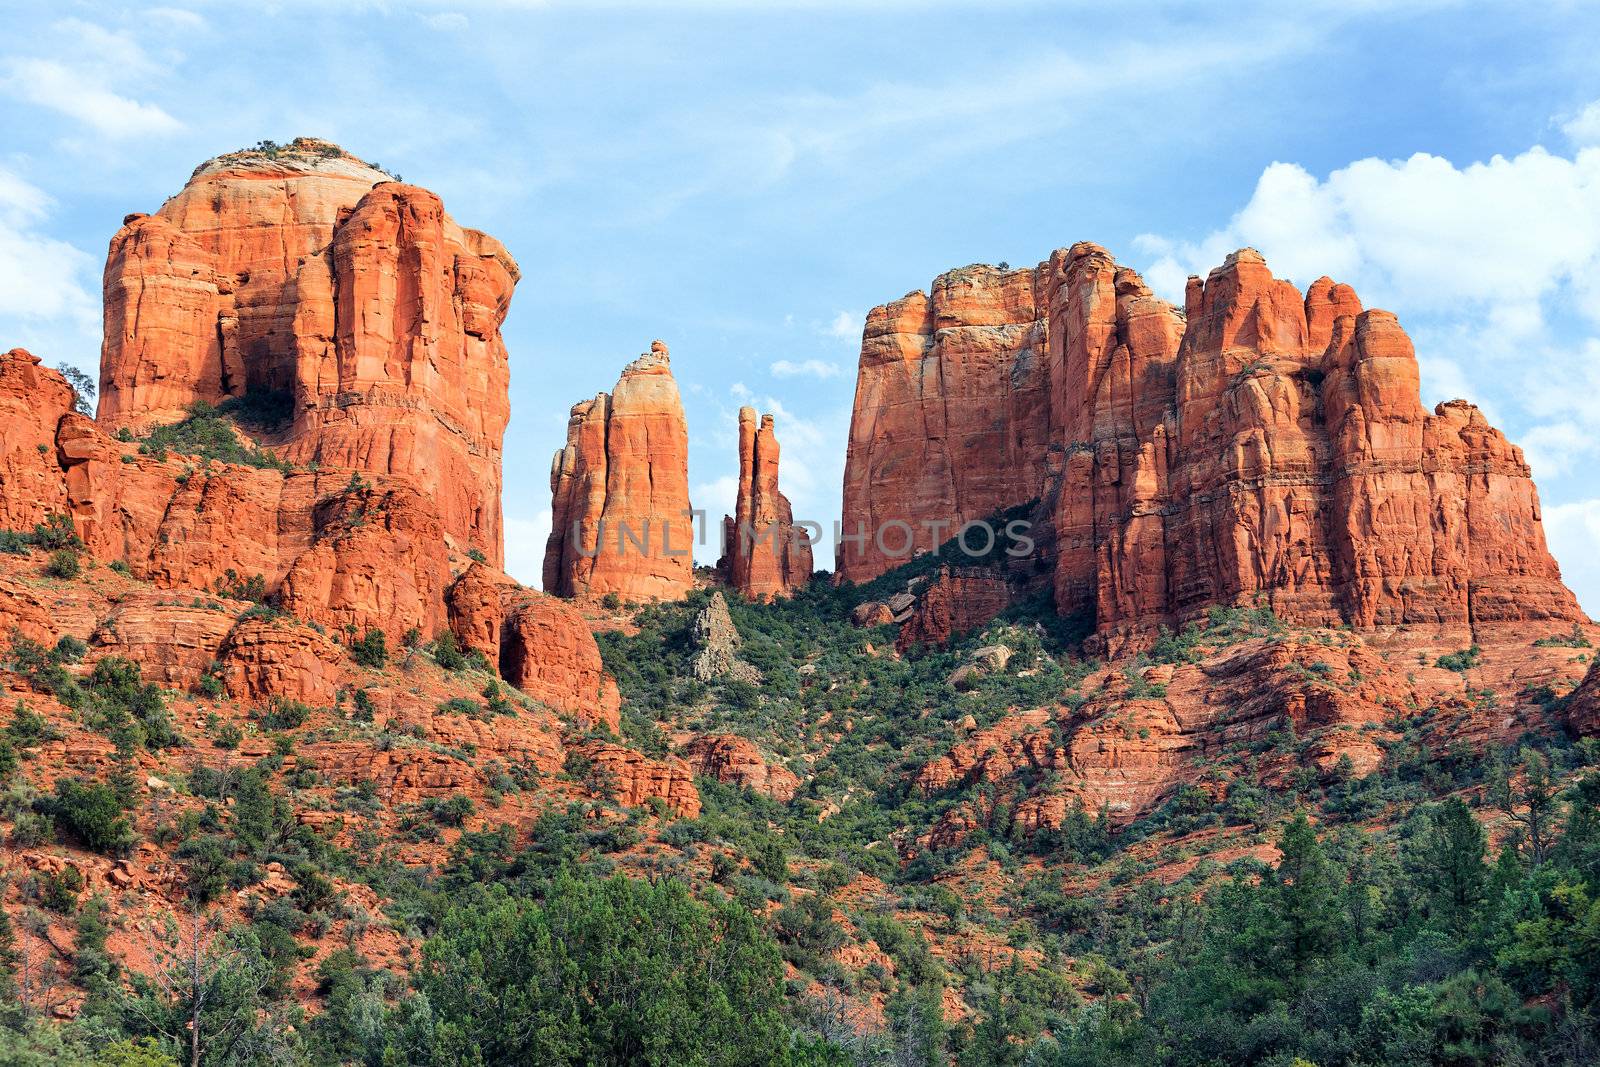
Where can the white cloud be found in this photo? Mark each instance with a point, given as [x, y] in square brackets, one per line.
[45, 302]
[447, 21]
[1419, 233]
[812, 368]
[191, 20]
[81, 78]
[846, 326]
[1573, 532]
[525, 541]
[1493, 266]
[74, 93]
[1583, 129]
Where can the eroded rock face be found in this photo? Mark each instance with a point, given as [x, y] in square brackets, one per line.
[175, 643]
[33, 401]
[1583, 704]
[634, 780]
[716, 642]
[266, 658]
[1259, 446]
[309, 273]
[547, 651]
[765, 554]
[620, 491]
[952, 420]
[735, 761]
[957, 601]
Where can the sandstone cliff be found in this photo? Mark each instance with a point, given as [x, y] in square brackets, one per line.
[304, 273]
[765, 554]
[620, 491]
[1257, 446]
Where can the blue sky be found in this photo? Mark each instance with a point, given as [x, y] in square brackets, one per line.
[744, 180]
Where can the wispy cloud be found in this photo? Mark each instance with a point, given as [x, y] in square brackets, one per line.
[80, 80]
[810, 368]
[44, 282]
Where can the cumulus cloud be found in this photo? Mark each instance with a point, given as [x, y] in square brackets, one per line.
[1583, 129]
[1420, 233]
[1494, 267]
[811, 368]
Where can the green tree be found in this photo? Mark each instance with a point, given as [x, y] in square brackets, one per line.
[601, 972]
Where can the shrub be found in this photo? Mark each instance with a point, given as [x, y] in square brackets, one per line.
[91, 812]
[236, 587]
[371, 649]
[361, 700]
[55, 532]
[228, 736]
[460, 706]
[61, 889]
[1462, 661]
[447, 651]
[64, 564]
[285, 714]
[208, 433]
[453, 811]
[118, 695]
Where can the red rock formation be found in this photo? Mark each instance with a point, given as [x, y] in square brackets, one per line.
[764, 553]
[548, 652]
[736, 761]
[307, 272]
[952, 416]
[620, 492]
[1257, 447]
[1583, 704]
[634, 780]
[33, 400]
[175, 643]
[266, 658]
[955, 603]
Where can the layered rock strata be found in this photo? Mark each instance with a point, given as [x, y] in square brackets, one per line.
[765, 554]
[1256, 447]
[303, 274]
[621, 521]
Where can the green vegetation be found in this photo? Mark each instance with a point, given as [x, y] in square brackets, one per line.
[209, 433]
[1462, 661]
[370, 650]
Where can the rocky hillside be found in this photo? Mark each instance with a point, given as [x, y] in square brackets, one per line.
[1277, 747]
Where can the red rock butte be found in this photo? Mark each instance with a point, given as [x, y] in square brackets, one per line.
[620, 492]
[765, 554]
[303, 272]
[1257, 446]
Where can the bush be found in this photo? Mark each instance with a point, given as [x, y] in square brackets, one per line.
[371, 649]
[64, 564]
[208, 433]
[285, 714]
[1462, 661]
[236, 587]
[228, 736]
[447, 651]
[460, 706]
[91, 812]
[55, 532]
